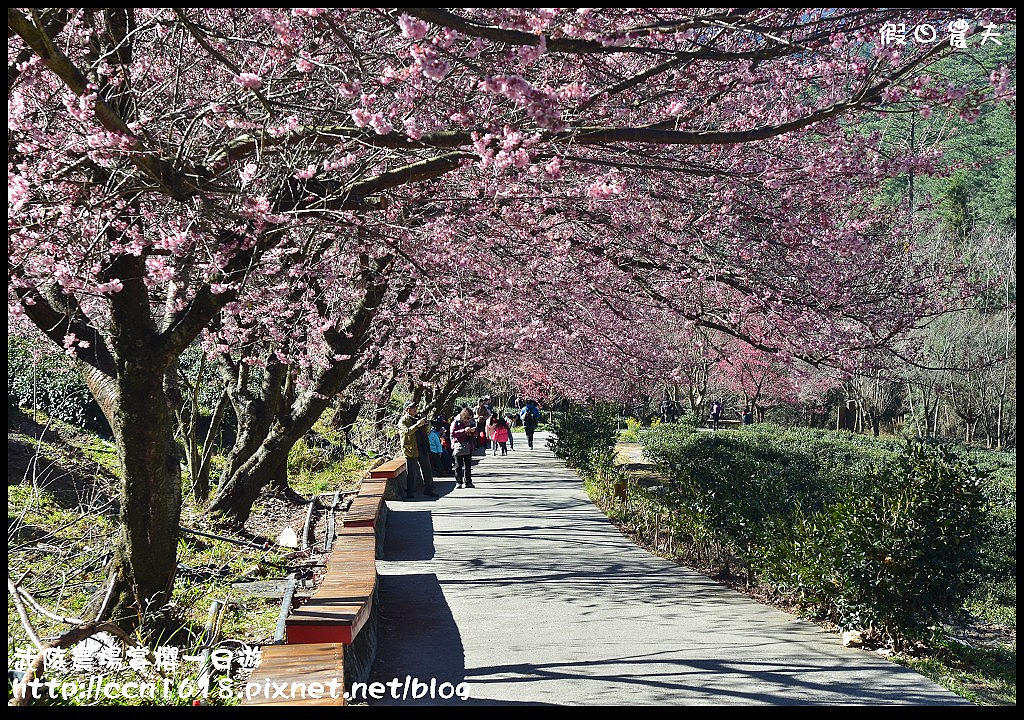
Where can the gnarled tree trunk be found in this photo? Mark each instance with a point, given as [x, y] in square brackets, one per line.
[250, 472]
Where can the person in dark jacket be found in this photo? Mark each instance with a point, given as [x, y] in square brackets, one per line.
[668, 411]
[463, 434]
[530, 416]
[716, 414]
[483, 414]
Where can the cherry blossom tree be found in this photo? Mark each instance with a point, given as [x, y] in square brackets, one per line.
[255, 178]
[761, 379]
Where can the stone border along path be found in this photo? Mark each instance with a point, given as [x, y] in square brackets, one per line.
[522, 589]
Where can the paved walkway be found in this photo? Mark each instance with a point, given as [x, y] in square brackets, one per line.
[522, 589]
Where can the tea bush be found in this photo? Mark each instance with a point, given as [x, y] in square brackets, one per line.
[44, 379]
[891, 558]
[996, 572]
[867, 533]
[741, 485]
[584, 438]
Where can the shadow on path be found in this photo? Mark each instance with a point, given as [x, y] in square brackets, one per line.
[525, 591]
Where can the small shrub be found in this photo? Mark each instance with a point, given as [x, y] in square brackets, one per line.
[632, 431]
[584, 437]
[996, 572]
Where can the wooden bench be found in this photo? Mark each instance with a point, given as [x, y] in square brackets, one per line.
[724, 423]
[389, 469]
[393, 473]
[342, 604]
[298, 666]
[365, 509]
[342, 613]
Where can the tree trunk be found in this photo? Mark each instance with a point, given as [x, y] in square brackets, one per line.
[345, 416]
[255, 414]
[268, 465]
[279, 475]
[235, 498]
[350, 342]
[145, 558]
[268, 439]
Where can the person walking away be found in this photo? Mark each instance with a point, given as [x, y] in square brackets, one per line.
[530, 416]
[436, 451]
[463, 431]
[748, 416]
[716, 414]
[412, 433]
[500, 434]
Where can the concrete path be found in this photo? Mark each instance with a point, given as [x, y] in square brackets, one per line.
[523, 590]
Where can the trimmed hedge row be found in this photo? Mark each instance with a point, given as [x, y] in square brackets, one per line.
[870, 534]
[42, 378]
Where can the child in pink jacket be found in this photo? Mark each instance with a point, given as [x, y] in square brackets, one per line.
[500, 436]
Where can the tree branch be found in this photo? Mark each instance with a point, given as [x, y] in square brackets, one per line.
[578, 46]
[55, 324]
[170, 180]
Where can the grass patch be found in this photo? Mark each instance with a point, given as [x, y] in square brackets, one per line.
[315, 469]
[983, 675]
[992, 608]
[102, 453]
[61, 531]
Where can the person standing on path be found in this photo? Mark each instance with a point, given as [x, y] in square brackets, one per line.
[511, 419]
[442, 425]
[530, 415]
[668, 410]
[482, 415]
[463, 431]
[489, 430]
[412, 431]
[716, 414]
[436, 450]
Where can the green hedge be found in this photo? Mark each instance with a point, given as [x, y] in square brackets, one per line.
[42, 378]
[584, 438]
[893, 557]
[867, 533]
[996, 572]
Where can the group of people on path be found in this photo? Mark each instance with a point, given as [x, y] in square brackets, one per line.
[449, 447]
[746, 417]
[670, 413]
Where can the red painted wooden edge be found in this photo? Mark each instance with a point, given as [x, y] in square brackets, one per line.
[309, 634]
